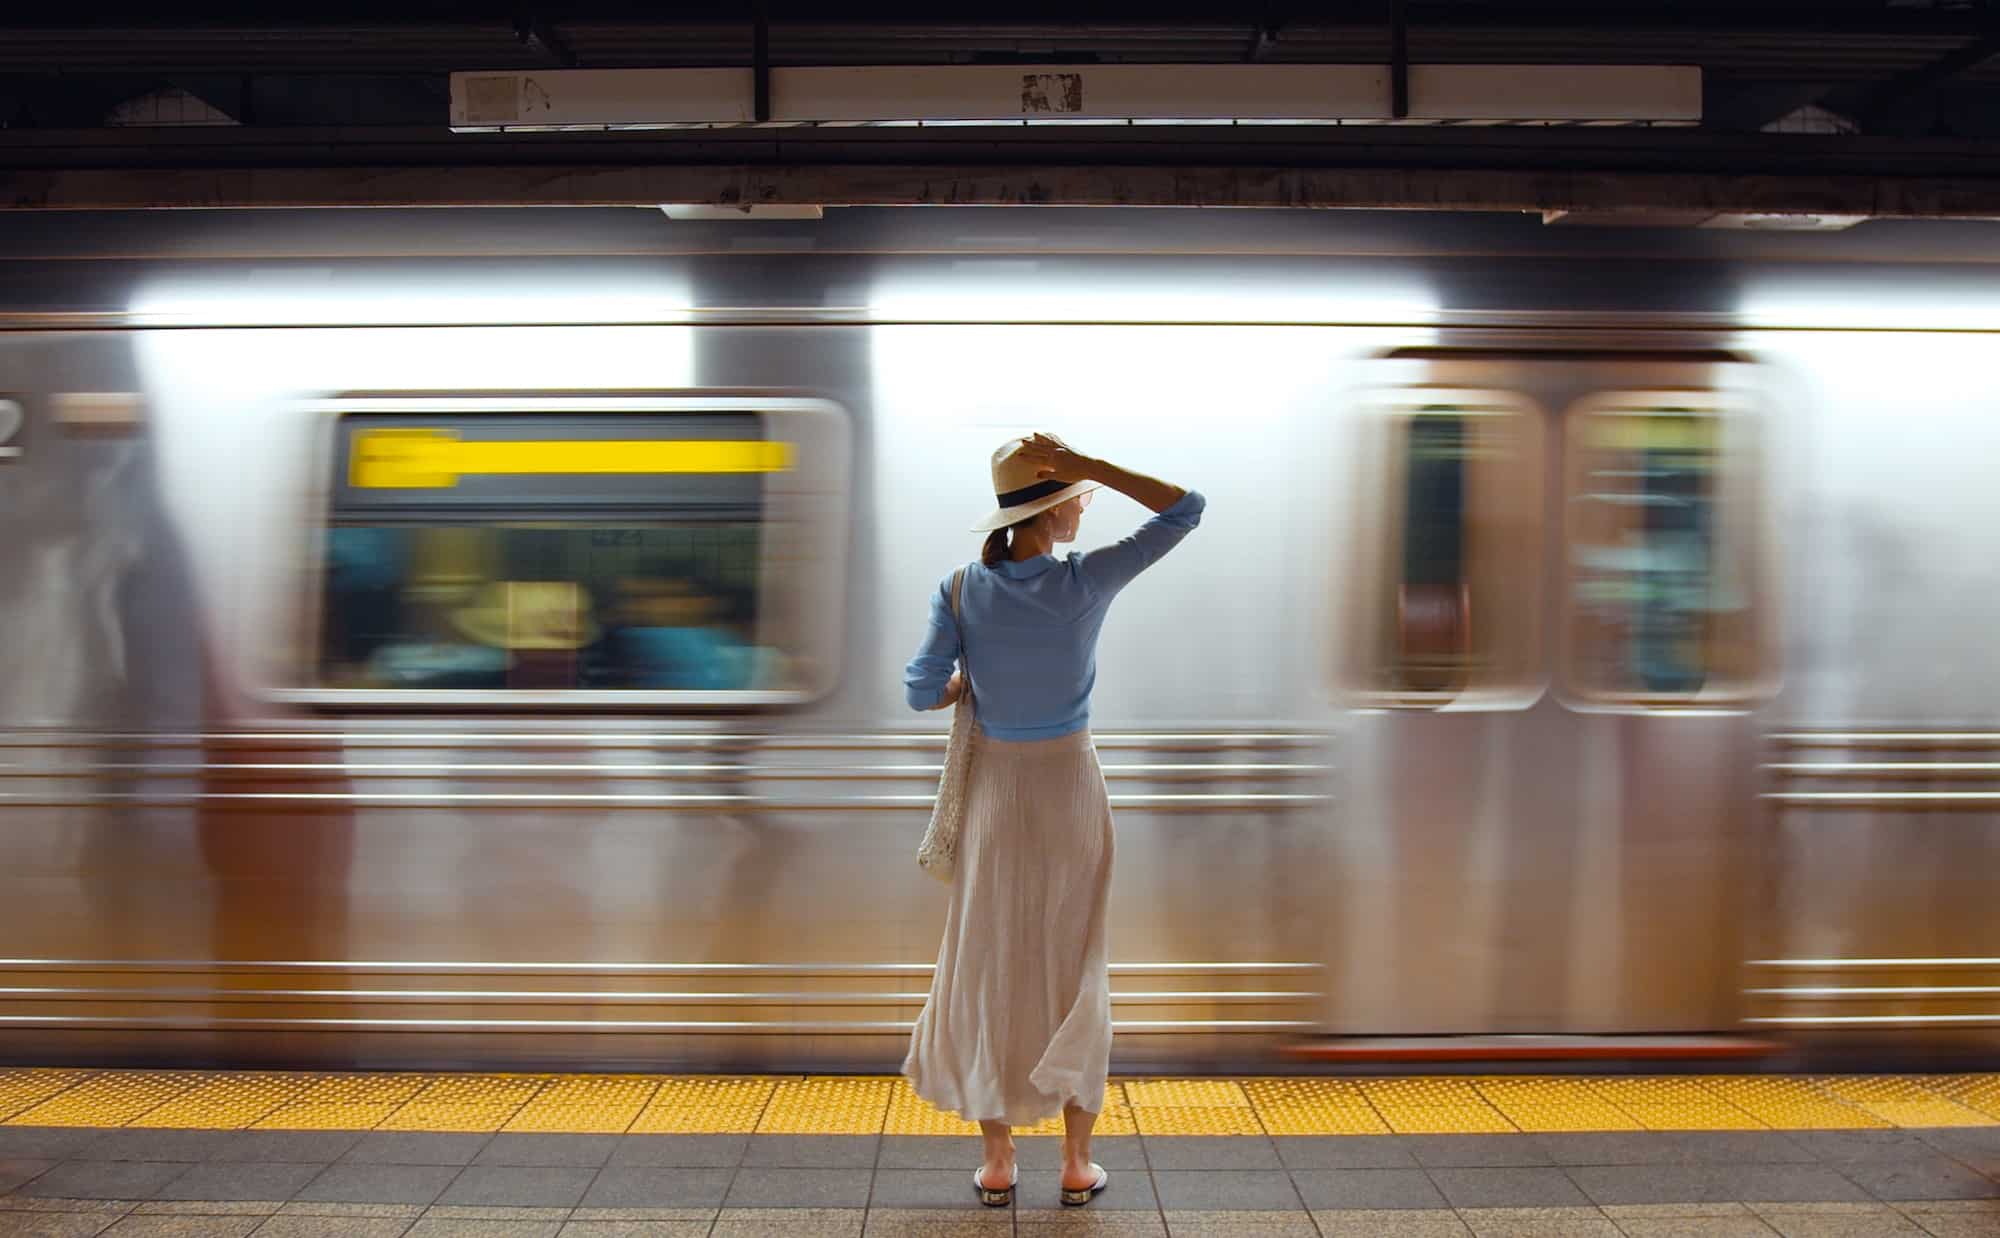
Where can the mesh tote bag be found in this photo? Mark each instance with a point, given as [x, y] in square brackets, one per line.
[938, 853]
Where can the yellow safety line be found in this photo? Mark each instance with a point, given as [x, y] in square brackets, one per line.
[867, 1105]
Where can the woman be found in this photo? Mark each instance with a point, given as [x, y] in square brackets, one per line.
[1018, 1024]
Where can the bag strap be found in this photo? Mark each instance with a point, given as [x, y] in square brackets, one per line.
[958, 620]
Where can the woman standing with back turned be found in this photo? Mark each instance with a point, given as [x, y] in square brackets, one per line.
[1018, 1024]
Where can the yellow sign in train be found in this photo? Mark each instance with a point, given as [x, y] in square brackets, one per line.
[426, 459]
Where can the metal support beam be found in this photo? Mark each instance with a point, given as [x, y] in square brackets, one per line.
[1446, 168]
[535, 31]
[1399, 59]
[1913, 82]
[760, 58]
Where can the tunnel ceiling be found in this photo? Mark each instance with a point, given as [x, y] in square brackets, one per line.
[1908, 87]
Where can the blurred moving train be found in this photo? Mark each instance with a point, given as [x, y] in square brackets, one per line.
[475, 637]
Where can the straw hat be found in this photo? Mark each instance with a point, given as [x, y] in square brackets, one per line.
[528, 614]
[1020, 493]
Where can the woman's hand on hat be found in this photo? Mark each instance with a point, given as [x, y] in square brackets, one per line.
[1053, 458]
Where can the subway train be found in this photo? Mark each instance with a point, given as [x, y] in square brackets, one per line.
[476, 637]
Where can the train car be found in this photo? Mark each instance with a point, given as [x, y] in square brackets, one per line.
[475, 637]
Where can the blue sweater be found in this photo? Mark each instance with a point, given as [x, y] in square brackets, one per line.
[1033, 629]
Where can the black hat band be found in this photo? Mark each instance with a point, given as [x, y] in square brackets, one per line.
[1028, 494]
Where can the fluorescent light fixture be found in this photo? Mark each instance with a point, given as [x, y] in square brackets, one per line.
[563, 100]
[677, 210]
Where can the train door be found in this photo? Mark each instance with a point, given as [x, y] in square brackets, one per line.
[1556, 623]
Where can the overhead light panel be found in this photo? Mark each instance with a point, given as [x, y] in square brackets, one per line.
[636, 99]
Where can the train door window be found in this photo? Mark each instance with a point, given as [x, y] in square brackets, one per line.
[627, 550]
[1662, 597]
[1447, 590]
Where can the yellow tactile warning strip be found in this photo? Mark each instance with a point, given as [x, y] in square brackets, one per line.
[866, 1105]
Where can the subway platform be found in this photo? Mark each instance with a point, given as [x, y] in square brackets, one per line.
[195, 1154]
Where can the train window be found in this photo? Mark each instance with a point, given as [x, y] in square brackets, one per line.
[653, 550]
[1661, 597]
[1448, 592]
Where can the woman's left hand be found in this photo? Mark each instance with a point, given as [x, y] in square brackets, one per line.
[952, 691]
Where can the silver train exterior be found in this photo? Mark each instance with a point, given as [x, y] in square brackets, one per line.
[1591, 631]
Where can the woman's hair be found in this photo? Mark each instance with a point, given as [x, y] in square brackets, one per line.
[999, 541]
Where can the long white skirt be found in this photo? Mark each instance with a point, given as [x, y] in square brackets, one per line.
[1018, 1024]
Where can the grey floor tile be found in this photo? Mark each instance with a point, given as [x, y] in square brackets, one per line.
[936, 1152]
[1373, 1189]
[925, 1188]
[1935, 1177]
[416, 1148]
[703, 1215]
[379, 1184]
[1211, 1152]
[190, 1226]
[772, 1187]
[1040, 1190]
[1378, 1223]
[1111, 1151]
[640, 1187]
[301, 1147]
[496, 1212]
[1958, 1225]
[1740, 1147]
[349, 1208]
[788, 1223]
[480, 1227]
[812, 1151]
[185, 1227]
[52, 1143]
[154, 1145]
[585, 1151]
[1791, 1184]
[935, 1223]
[104, 1179]
[16, 1170]
[1611, 1148]
[1538, 1223]
[1273, 1223]
[239, 1180]
[1695, 1227]
[538, 1186]
[1476, 1151]
[25, 1203]
[1090, 1221]
[1862, 1147]
[208, 1207]
[1343, 1152]
[1509, 1188]
[1226, 1190]
[635, 1229]
[1834, 1225]
[689, 1151]
[1853, 1208]
[1678, 1208]
[1655, 1184]
[1976, 1155]
[301, 1226]
[54, 1224]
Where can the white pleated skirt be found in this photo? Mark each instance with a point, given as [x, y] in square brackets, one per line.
[1018, 1024]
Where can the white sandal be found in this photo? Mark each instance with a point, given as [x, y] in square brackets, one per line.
[1079, 1196]
[992, 1198]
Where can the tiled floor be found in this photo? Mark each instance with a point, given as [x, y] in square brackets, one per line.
[72, 1182]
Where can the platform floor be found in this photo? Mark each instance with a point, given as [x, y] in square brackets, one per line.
[173, 1154]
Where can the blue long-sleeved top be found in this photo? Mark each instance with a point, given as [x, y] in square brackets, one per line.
[1032, 627]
